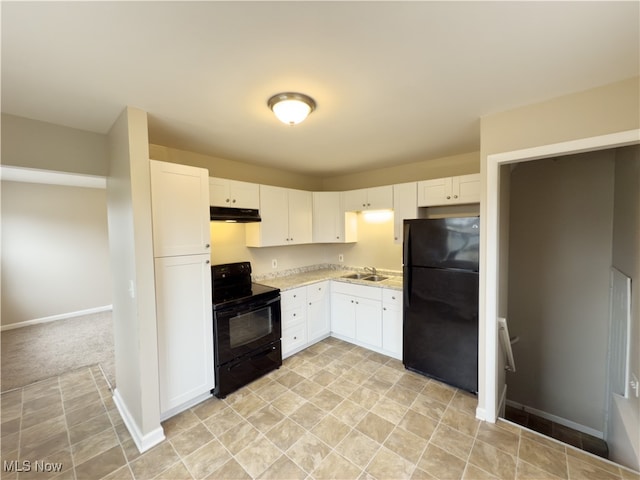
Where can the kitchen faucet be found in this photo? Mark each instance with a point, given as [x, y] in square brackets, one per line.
[371, 269]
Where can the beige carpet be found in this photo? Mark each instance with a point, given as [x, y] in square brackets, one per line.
[37, 352]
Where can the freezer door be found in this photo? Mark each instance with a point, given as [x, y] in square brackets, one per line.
[441, 326]
[442, 243]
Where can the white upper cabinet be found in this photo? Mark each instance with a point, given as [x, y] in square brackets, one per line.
[286, 218]
[180, 209]
[375, 198]
[331, 224]
[233, 193]
[405, 206]
[449, 190]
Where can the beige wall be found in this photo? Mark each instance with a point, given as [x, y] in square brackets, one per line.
[408, 172]
[608, 109]
[34, 144]
[624, 425]
[559, 267]
[55, 253]
[219, 167]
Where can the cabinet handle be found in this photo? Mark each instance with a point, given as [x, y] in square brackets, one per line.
[357, 303]
[455, 196]
[227, 200]
[207, 246]
[384, 308]
[295, 338]
[207, 262]
[368, 204]
[294, 314]
[393, 298]
[448, 197]
[234, 201]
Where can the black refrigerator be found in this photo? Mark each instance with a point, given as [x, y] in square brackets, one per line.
[440, 317]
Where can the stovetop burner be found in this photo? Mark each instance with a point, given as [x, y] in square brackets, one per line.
[231, 285]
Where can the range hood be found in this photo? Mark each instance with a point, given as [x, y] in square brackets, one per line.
[238, 215]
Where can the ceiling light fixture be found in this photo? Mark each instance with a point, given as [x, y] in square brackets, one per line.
[290, 107]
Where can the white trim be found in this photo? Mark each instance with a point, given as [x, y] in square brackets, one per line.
[601, 142]
[559, 420]
[53, 318]
[51, 177]
[143, 442]
[489, 258]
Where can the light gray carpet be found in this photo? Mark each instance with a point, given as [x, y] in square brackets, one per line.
[37, 352]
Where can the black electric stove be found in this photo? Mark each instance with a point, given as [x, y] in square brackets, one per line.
[246, 327]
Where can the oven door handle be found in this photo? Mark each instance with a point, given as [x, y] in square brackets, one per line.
[260, 354]
[254, 306]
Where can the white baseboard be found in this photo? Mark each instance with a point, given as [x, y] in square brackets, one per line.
[554, 418]
[53, 318]
[142, 441]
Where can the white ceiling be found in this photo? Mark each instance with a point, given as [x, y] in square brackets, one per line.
[395, 82]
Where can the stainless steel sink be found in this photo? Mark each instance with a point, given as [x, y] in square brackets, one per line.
[375, 278]
[356, 276]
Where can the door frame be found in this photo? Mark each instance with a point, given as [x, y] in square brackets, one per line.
[491, 393]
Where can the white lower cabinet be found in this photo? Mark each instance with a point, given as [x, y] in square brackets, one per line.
[367, 316]
[185, 331]
[305, 317]
[392, 322]
[356, 314]
[318, 313]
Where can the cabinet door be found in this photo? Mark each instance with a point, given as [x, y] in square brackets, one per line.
[369, 321]
[180, 209]
[433, 192]
[300, 217]
[343, 315]
[405, 206]
[318, 314]
[466, 189]
[355, 200]
[380, 198]
[185, 328]
[327, 211]
[274, 227]
[392, 331]
[244, 194]
[219, 192]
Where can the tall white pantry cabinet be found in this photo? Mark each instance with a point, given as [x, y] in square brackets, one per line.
[181, 247]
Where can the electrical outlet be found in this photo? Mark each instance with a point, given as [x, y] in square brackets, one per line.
[340, 257]
[635, 386]
[274, 263]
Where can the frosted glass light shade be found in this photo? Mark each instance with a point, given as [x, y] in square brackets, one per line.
[291, 108]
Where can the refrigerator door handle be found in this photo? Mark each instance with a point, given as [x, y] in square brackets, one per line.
[406, 261]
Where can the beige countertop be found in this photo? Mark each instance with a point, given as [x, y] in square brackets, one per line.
[306, 276]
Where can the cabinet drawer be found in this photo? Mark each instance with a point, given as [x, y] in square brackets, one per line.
[317, 291]
[293, 298]
[293, 336]
[392, 298]
[292, 315]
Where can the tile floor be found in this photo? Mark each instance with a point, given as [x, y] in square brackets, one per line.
[333, 411]
[578, 439]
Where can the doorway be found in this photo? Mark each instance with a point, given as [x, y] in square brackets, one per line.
[494, 251]
[560, 244]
